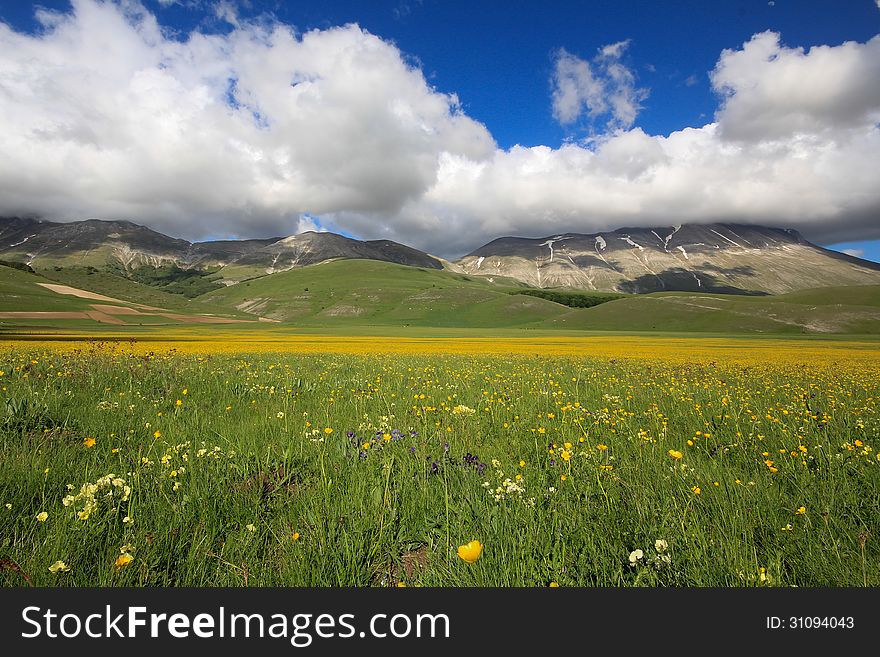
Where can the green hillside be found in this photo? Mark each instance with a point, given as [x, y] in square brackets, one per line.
[370, 292]
[20, 292]
[358, 294]
[26, 303]
[824, 310]
[119, 287]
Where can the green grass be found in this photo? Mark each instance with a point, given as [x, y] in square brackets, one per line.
[119, 287]
[826, 310]
[369, 292]
[366, 293]
[244, 462]
[20, 292]
[369, 297]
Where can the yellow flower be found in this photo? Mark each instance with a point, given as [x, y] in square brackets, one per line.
[123, 560]
[186, 391]
[157, 434]
[565, 454]
[89, 442]
[522, 464]
[601, 447]
[696, 490]
[42, 516]
[178, 403]
[294, 536]
[328, 430]
[801, 511]
[674, 454]
[553, 585]
[58, 567]
[470, 552]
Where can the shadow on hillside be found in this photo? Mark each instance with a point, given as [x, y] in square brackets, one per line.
[682, 280]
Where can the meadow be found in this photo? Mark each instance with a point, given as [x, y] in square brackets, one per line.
[366, 461]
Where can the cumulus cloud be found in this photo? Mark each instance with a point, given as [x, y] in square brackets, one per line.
[264, 131]
[770, 91]
[237, 133]
[602, 87]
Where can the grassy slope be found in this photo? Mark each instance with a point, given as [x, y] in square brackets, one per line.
[19, 291]
[351, 295]
[132, 291]
[367, 292]
[827, 310]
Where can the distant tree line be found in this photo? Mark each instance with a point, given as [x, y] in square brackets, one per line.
[18, 265]
[171, 278]
[573, 299]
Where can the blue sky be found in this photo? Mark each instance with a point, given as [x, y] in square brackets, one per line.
[503, 61]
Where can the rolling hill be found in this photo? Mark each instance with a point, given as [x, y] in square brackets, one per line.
[853, 309]
[30, 300]
[368, 292]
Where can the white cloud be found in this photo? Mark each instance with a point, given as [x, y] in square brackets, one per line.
[770, 91]
[253, 132]
[855, 253]
[240, 133]
[602, 87]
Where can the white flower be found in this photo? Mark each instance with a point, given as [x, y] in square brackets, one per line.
[635, 556]
[660, 545]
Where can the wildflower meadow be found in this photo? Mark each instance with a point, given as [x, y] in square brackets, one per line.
[211, 464]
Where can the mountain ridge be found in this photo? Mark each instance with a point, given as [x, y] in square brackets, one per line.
[719, 258]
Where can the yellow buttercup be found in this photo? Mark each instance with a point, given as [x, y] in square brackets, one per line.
[470, 552]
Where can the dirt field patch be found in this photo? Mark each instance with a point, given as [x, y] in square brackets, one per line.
[116, 310]
[85, 294]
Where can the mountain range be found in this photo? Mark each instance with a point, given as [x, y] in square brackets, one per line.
[717, 258]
